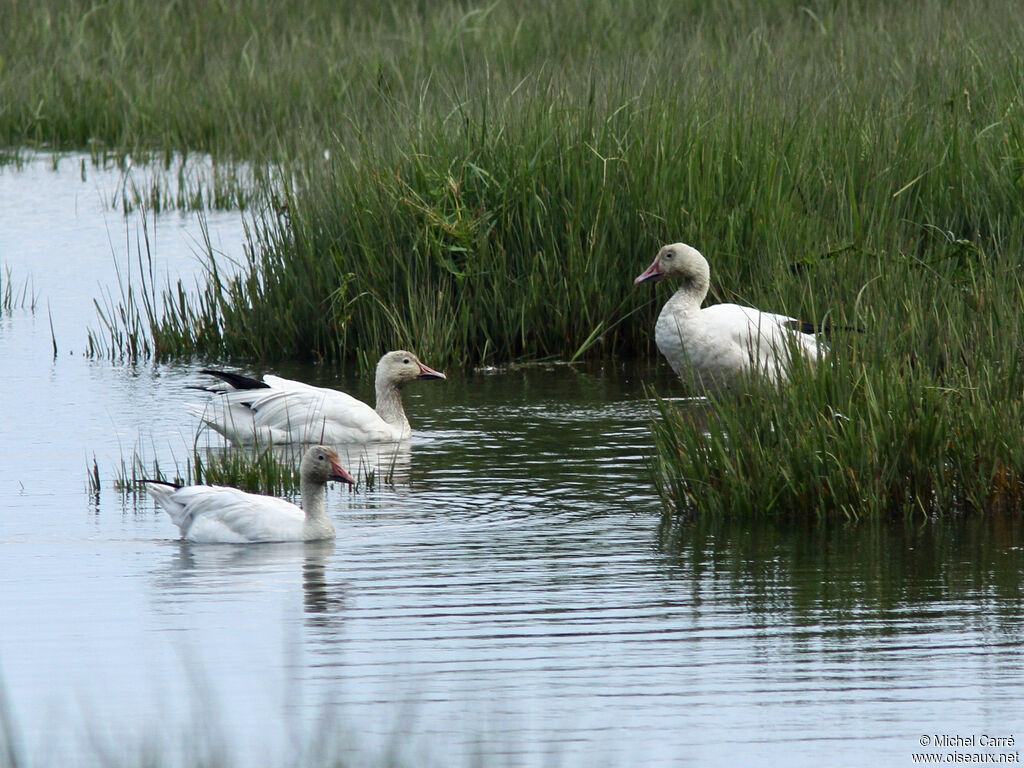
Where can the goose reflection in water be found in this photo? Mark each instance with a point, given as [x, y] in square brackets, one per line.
[322, 598]
[234, 572]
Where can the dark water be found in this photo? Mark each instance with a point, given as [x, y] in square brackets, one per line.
[505, 600]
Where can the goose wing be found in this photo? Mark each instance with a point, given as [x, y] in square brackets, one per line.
[319, 414]
[765, 335]
[216, 514]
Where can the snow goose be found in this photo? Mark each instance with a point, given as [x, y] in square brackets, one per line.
[215, 514]
[279, 411]
[717, 345]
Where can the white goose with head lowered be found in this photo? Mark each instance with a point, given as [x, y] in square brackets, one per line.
[215, 514]
[716, 346]
[280, 411]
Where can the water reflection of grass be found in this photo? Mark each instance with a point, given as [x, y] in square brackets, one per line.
[163, 181]
[866, 569]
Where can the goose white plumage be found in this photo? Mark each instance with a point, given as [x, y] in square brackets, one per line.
[214, 514]
[716, 346]
[279, 411]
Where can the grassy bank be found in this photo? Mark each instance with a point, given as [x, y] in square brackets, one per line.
[482, 184]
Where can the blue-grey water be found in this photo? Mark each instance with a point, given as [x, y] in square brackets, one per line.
[504, 600]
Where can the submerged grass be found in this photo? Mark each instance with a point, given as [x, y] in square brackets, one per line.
[272, 471]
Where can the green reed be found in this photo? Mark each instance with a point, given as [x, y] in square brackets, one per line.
[260, 471]
[14, 296]
[269, 470]
[128, 318]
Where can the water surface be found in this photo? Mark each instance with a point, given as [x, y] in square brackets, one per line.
[504, 600]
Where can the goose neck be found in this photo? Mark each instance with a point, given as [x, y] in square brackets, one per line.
[389, 405]
[313, 504]
[689, 296]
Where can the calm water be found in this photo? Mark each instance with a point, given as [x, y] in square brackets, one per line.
[504, 601]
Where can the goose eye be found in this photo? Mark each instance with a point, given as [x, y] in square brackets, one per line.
[405, 361]
[669, 255]
[321, 457]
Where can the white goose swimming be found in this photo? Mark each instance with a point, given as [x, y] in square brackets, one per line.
[215, 514]
[279, 411]
[717, 345]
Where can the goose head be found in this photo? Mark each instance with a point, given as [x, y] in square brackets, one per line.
[320, 464]
[678, 261]
[398, 368]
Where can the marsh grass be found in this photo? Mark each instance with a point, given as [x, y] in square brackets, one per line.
[141, 317]
[127, 319]
[482, 185]
[259, 471]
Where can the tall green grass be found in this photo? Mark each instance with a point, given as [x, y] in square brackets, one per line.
[494, 177]
[258, 78]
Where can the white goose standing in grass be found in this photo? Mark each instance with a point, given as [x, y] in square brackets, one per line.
[718, 345]
[280, 411]
[215, 514]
